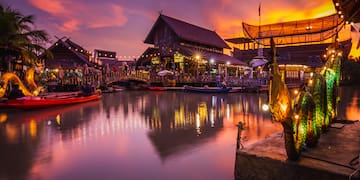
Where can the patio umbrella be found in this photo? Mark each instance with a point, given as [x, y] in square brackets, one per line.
[164, 73]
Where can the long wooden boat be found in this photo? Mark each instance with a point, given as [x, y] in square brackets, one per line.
[207, 89]
[38, 102]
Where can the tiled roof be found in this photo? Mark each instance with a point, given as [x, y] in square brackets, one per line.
[189, 32]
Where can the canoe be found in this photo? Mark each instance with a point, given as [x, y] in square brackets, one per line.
[37, 102]
[207, 89]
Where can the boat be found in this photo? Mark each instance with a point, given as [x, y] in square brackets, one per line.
[207, 89]
[30, 102]
[112, 89]
[157, 88]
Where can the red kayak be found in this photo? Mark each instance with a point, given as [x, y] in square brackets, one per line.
[37, 102]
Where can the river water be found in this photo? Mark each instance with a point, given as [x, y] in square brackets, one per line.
[139, 135]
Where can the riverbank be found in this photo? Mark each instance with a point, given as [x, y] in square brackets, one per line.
[332, 158]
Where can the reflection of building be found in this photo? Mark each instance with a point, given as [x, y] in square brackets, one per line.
[300, 44]
[185, 48]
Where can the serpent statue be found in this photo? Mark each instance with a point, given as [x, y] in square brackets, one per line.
[311, 112]
[33, 90]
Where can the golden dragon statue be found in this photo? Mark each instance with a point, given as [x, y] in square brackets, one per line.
[32, 90]
[311, 112]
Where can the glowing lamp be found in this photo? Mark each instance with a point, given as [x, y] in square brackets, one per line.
[197, 57]
[228, 63]
[296, 116]
[310, 81]
[265, 107]
[296, 92]
[212, 61]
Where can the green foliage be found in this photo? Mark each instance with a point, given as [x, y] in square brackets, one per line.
[18, 38]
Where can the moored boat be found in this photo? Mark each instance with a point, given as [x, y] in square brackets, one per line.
[207, 89]
[41, 102]
[157, 88]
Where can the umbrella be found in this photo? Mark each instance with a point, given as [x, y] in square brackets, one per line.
[258, 62]
[165, 72]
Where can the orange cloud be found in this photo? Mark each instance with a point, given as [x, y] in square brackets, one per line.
[230, 14]
[50, 6]
[69, 26]
[73, 15]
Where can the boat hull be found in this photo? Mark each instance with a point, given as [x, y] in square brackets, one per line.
[207, 89]
[37, 103]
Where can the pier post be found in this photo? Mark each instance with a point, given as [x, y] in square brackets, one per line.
[238, 139]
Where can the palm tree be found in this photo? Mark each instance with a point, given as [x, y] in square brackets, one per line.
[18, 39]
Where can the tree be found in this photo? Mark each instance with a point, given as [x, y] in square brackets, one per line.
[19, 39]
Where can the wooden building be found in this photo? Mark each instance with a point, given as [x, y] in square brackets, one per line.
[70, 65]
[187, 49]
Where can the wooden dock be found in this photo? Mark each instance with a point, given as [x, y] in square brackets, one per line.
[335, 157]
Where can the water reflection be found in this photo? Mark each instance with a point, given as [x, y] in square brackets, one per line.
[129, 128]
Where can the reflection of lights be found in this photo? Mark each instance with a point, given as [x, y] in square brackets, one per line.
[198, 131]
[33, 128]
[212, 118]
[58, 119]
[202, 111]
[228, 111]
[265, 107]
[311, 74]
[49, 123]
[212, 61]
[11, 133]
[213, 101]
[3, 117]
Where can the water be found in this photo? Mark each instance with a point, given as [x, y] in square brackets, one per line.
[138, 135]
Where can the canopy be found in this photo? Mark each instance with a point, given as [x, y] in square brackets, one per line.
[293, 32]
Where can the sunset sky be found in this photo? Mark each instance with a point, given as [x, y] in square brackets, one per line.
[122, 25]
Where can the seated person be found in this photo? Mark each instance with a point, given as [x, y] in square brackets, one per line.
[87, 90]
[16, 92]
[223, 84]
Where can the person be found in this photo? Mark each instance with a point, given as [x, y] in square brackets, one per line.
[217, 80]
[87, 90]
[16, 92]
[223, 84]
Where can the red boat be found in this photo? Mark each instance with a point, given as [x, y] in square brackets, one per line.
[157, 88]
[37, 102]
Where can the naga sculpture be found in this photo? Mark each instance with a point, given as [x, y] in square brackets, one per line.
[311, 112]
[33, 90]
